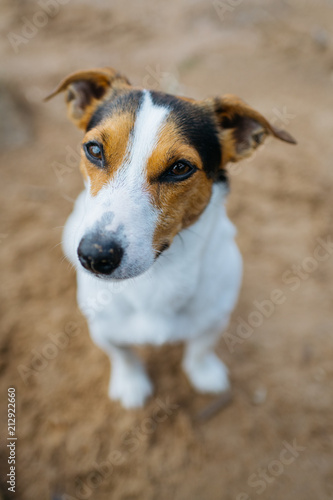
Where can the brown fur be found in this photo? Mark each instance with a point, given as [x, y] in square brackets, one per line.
[103, 81]
[230, 107]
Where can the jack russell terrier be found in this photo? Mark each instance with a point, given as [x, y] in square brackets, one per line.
[149, 236]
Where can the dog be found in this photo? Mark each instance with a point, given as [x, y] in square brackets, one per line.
[149, 236]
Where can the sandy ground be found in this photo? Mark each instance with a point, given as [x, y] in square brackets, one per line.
[72, 441]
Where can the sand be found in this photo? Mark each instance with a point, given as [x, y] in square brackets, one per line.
[274, 439]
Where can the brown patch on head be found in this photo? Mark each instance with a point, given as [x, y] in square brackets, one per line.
[113, 133]
[180, 203]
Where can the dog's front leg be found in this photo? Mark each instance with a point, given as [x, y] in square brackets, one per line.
[129, 382]
[205, 370]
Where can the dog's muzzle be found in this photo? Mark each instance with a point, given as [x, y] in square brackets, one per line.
[100, 254]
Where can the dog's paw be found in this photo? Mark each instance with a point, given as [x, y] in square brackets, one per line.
[132, 389]
[208, 374]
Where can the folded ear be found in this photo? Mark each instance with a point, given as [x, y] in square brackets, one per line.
[242, 128]
[85, 90]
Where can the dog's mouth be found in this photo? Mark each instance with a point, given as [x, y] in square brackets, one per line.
[162, 249]
[111, 263]
[108, 257]
[116, 276]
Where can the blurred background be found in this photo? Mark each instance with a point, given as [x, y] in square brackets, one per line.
[274, 440]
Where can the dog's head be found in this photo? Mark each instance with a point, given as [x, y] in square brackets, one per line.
[149, 161]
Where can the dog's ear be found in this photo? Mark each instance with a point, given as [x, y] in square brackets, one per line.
[242, 129]
[86, 89]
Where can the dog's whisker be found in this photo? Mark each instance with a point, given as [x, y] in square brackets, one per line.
[67, 198]
[55, 246]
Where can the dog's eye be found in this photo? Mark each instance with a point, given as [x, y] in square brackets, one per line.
[179, 171]
[94, 152]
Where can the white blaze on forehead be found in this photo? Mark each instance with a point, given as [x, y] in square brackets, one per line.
[147, 124]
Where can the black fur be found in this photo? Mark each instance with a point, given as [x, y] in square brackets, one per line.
[117, 103]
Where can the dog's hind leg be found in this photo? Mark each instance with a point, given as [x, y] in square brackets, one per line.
[205, 370]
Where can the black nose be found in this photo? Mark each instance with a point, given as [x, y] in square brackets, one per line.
[99, 254]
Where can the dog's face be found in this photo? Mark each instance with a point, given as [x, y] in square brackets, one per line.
[149, 161]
